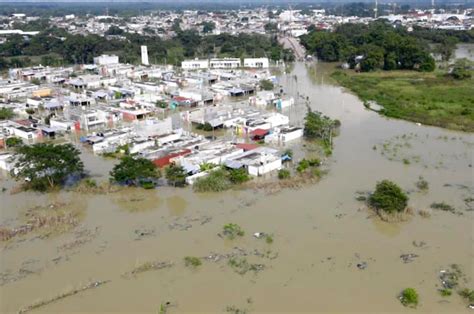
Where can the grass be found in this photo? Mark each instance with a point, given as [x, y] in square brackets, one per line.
[242, 266]
[428, 98]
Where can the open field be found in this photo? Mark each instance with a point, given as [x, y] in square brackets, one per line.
[428, 98]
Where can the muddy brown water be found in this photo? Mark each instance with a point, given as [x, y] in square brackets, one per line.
[320, 231]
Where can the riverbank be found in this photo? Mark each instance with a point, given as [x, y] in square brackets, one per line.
[427, 98]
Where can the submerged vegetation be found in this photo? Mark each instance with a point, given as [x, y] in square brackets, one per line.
[231, 231]
[388, 197]
[191, 261]
[135, 171]
[409, 297]
[428, 98]
[220, 180]
[47, 166]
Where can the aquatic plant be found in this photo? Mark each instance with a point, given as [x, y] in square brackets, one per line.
[232, 231]
[445, 292]
[388, 197]
[234, 310]
[422, 184]
[467, 294]
[241, 266]
[409, 297]
[443, 206]
[269, 239]
[191, 261]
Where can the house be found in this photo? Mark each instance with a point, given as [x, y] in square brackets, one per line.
[225, 63]
[257, 161]
[284, 135]
[260, 63]
[106, 60]
[195, 64]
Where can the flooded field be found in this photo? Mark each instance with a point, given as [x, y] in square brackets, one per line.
[124, 251]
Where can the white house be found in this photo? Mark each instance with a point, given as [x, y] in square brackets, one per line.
[195, 64]
[256, 63]
[106, 60]
[226, 63]
[284, 135]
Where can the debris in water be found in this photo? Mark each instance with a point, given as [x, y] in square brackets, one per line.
[362, 265]
[259, 235]
[408, 258]
[42, 303]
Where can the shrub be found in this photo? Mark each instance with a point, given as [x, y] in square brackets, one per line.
[232, 231]
[216, 181]
[238, 176]
[205, 127]
[409, 297]
[191, 261]
[388, 197]
[284, 174]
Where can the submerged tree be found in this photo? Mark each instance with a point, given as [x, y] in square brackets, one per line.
[388, 197]
[176, 175]
[137, 172]
[318, 126]
[45, 166]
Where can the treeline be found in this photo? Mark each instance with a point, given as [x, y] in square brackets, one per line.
[57, 47]
[381, 45]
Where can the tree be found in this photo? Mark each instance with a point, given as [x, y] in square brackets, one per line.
[318, 126]
[6, 113]
[271, 27]
[45, 166]
[238, 176]
[373, 59]
[388, 197]
[461, 70]
[176, 175]
[208, 27]
[266, 84]
[446, 48]
[13, 142]
[137, 172]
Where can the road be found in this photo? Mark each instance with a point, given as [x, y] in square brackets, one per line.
[293, 44]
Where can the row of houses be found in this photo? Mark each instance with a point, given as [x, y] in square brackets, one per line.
[225, 63]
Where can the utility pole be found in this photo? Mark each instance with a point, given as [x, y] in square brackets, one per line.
[375, 10]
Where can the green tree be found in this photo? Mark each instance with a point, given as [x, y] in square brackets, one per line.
[46, 166]
[137, 172]
[388, 197]
[461, 70]
[176, 175]
[446, 48]
[208, 27]
[6, 113]
[13, 142]
[266, 84]
[238, 176]
[318, 126]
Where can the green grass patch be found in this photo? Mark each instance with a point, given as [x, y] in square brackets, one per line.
[428, 98]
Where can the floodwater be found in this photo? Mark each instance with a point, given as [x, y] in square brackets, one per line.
[320, 231]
